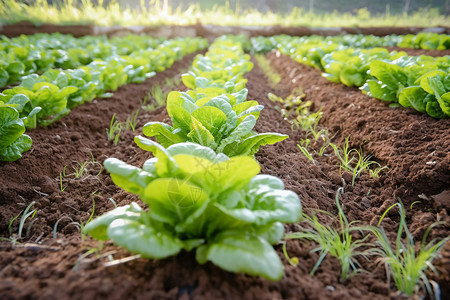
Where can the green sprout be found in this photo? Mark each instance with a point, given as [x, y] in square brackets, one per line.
[115, 128]
[14, 238]
[336, 242]
[406, 266]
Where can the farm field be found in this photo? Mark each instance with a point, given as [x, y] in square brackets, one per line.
[62, 183]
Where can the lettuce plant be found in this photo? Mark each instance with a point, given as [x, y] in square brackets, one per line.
[13, 141]
[200, 200]
[49, 97]
[223, 123]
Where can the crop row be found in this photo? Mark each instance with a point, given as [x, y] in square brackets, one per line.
[425, 40]
[30, 54]
[202, 185]
[43, 99]
[420, 82]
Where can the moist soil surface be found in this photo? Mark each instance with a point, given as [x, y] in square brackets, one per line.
[54, 261]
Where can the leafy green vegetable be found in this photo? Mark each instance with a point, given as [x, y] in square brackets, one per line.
[203, 200]
[12, 140]
[215, 114]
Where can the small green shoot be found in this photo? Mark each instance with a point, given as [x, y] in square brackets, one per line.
[336, 242]
[25, 215]
[132, 120]
[55, 228]
[61, 186]
[375, 173]
[292, 261]
[354, 161]
[310, 122]
[84, 256]
[81, 169]
[115, 128]
[325, 143]
[304, 149]
[113, 202]
[82, 225]
[156, 93]
[404, 264]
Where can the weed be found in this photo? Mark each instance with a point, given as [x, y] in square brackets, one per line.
[156, 93]
[113, 202]
[14, 238]
[55, 228]
[61, 187]
[132, 120]
[82, 225]
[375, 173]
[309, 123]
[85, 255]
[115, 128]
[338, 243]
[403, 264]
[355, 161]
[304, 149]
[80, 169]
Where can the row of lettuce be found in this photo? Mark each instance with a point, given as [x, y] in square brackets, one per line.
[424, 40]
[43, 99]
[35, 54]
[420, 82]
[202, 185]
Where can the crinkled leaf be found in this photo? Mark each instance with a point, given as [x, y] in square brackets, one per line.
[143, 239]
[163, 133]
[237, 252]
[413, 96]
[244, 128]
[175, 201]
[14, 150]
[165, 164]
[128, 177]
[11, 126]
[211, 118]
[251, 145]
[97, 227]
[200, 134]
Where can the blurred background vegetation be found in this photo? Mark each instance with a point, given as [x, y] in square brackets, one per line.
[312, 13]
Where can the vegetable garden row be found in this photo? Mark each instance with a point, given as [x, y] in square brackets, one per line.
[206, 201]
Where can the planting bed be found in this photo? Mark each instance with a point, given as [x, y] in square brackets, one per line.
[414, 146]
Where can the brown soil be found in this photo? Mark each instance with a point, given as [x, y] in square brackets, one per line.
[209, 31]
[414, 147]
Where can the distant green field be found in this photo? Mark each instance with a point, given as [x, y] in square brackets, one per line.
[156, 12]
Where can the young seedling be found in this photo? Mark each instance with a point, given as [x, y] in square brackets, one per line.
[354, 161]
[92, 250]
[336, 242]
[304, 148]
[156, 93]
[61, 186]
[406, 266]
[82, 225]
[375, 173]
[132, 120]
[115, 128]
[14, 238]
[55, 228]
[81, 169]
